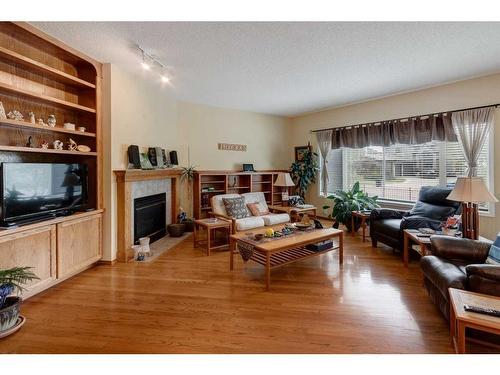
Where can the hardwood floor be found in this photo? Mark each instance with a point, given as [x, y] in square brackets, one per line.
[186, 302]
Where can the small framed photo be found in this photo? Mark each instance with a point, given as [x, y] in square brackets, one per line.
[300, 151]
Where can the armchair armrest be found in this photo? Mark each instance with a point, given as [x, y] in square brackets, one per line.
[417, 222]
[463, 249]
[487, 271]
[386, 213]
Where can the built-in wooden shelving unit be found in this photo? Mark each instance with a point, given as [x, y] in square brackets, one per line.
[210, 183]
[40, 74]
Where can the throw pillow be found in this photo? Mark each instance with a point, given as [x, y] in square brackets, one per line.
[432, 211]
[256, 209]
[235, 207]
[494, 254]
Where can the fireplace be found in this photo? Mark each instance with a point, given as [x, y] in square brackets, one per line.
[150, 217]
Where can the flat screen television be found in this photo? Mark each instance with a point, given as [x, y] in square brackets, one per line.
[35, 191]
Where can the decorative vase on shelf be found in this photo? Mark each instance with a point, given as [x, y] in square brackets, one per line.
[3, 115]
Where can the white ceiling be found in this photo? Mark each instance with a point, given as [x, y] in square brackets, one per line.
[287, 68]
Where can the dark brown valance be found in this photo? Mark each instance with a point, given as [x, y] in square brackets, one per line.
[411, 131]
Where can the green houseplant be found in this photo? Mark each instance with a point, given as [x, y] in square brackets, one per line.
[304, 172]
[344, 202]
[12, 280]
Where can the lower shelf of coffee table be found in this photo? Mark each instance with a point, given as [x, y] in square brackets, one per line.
[287, 256]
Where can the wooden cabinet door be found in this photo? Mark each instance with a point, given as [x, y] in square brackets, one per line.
[34, 248]
[78, 244]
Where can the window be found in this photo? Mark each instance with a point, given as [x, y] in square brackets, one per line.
[396, 173]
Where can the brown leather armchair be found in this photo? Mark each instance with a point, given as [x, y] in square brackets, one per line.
[458, 263]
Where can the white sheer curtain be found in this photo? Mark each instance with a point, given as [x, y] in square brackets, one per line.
[324, 139]
[472, 128]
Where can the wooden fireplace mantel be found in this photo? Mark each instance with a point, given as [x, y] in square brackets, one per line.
[124, 179]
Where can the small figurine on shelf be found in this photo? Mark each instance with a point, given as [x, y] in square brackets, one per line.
[15, 115]
[83, 148]
[32, 117]
[41, 122]
[44, 144]
[58, 145]
[30, 142]
[51, 121]
[72, 145]
[3, 116]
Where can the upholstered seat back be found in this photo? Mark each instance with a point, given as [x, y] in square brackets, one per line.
[256, 197]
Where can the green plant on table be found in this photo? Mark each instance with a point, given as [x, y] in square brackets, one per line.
[13, 279]
[344, 202]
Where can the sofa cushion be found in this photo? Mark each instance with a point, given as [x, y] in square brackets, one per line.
[256, 197]
[443, 274]
[432, 211]
[256, 209]
[494, 253]
[273, 219]
[218, 205]
[236, 207]
[250, 222]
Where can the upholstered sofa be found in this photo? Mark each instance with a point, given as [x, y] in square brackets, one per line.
[249, 222]
[432, 207]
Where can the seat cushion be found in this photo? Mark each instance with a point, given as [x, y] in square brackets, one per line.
[273, 219]
[218, 205]
[236, 207]
[443, 274]
[250, 222]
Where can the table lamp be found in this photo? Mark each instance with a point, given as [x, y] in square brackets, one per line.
[471, 191]
[284, 180]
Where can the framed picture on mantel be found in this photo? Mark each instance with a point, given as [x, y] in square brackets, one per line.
[300, 151]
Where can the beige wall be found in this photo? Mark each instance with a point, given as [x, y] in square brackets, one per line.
[464, 94]
[143, 112]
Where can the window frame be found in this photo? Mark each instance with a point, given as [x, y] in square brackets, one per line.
[390, 203]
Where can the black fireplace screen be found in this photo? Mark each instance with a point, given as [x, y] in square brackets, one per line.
[149, 217]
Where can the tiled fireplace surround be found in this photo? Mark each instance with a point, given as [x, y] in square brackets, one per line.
[133, 184]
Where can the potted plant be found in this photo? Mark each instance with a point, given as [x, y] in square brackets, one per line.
[304, 172]
[344, 202]
[187, 175]
[12, 280]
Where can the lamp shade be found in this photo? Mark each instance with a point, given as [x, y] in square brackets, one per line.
[471, 190]
[284, 179]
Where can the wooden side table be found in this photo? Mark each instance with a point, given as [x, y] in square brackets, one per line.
[210, 225]
[461, 319]
[411, 236]
[363, 216]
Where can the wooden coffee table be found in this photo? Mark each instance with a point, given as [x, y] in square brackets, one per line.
[461, 319]
[286, 250]
[210, 224]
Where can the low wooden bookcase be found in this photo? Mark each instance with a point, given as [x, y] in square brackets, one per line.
[210, 183]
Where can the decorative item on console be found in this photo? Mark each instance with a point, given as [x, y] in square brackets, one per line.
[41, 122]
[3, 115]
[32, 118]
[69, 126]
[83, 148]
[82, 129]
[72, 146]
[51, 121]
[183, 219]
[15, 115]
[30, 142]
[451, 226]
[58, 145]
[44, 144]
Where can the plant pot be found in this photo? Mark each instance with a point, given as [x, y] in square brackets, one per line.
[5, 291]
[10, 313]
[188, 225]
[357, 224]
[176, 230]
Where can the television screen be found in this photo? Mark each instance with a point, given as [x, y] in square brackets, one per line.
[36, 189]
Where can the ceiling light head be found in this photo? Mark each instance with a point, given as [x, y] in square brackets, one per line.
[164, 78]
[144, 63]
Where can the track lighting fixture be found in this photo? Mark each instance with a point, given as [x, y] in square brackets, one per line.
[150, 62]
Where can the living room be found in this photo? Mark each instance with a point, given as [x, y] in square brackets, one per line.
[249, 188]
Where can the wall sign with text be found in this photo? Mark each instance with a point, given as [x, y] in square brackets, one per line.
[232, 147]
